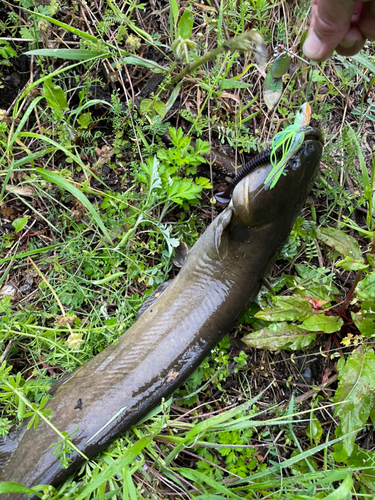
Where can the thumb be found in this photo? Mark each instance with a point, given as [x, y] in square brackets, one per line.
[330, 23]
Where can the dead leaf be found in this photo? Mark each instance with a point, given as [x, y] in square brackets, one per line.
[67, 319]
[8, 290]
[8, 212]
[21, 190]
[172, 376]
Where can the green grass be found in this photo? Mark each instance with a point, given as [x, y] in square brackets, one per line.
[101, 183]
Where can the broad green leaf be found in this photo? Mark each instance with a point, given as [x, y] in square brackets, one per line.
[146, 63]
[145, 106]
[356, 392]
[9, 487]
[19, 224]
[366, 288]
[283, 336]
[322, 323]
[314, 430]
[84, 120]
[280, 66]
[230, 83]
[69, 54]
[288, 308]
[55, 96]
[345, 244]
[350, 264]
[160, 108]
[63, 183]
[185, 25]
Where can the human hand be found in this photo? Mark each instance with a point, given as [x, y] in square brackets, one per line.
[341, 25]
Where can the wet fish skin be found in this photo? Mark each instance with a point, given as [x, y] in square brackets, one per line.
[221, 276]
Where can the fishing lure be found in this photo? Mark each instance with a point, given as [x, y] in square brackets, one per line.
[289, 141]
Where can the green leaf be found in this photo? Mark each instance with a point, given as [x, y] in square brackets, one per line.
[322, 323]
[172, 98]
[283, 336]
[116, 466]
[365, 177]
[364, 321]
[185, 25]
[67, 27]
[314, 430]
[365, 460]
[280, 66]
[365, 61]
[345, 244]
[146, 63]
[230, 83]
[344, 491]
[204, 479]
[26, 34]
[366, 288]
[84, 120]
[203, 182]
[350, 264]
[9, 487]
[19, 224]
[288, 308]
[69, 54]
[55, 96]
[355, 391]
[174, 10]
[183, 190]
[5, 304]
[61, 182]
[145, 106]
[160, 108]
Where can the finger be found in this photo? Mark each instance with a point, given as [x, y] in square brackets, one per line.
[366, 23]
[330, 23]
[361, 29]
[350, 50]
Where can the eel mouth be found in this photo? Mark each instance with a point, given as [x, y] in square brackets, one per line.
[313, 134]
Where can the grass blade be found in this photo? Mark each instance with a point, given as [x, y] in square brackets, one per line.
[64, 184]
[69, 54]
[116, 467]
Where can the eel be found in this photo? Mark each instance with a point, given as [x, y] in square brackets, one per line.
[221, 276]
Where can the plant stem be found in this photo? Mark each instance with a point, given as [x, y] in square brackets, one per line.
[350, 293]
[45, 419]
[241, 42]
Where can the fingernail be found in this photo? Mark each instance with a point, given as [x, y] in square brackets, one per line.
[312, 47]
[347, 44]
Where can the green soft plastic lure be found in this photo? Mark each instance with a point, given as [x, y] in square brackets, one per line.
[290, 140]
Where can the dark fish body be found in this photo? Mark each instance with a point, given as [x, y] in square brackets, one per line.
[221, 276]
